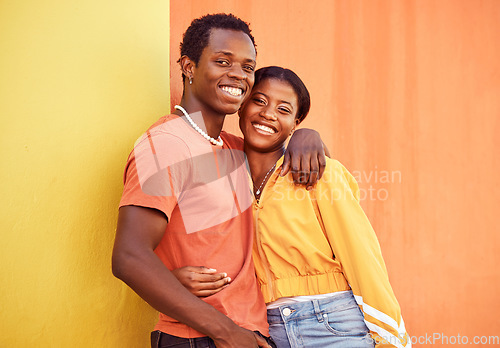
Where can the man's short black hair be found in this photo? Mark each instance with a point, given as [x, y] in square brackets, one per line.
[197, 35]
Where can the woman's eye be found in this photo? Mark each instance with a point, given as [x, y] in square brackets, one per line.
[284, 110]
[259, 101]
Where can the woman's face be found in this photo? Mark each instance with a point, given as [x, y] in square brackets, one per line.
[224, 75]
[268, 117]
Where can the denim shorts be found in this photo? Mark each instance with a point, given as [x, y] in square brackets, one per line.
[331, 322]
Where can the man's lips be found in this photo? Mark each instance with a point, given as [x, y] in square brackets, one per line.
[233, 91]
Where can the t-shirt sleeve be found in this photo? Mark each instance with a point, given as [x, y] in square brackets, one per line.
[156, 171]
[233, 141]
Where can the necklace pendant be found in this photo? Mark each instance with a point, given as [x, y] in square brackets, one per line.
[258, 192]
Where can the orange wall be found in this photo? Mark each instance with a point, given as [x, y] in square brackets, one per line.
[407, 95]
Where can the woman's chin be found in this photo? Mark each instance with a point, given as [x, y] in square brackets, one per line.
[259, 146]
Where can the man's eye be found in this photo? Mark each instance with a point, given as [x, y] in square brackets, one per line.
[249, 68]
[222, 62]
[284, 110]
[259, 101]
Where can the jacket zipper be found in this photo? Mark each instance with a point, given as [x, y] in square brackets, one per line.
[263, 258]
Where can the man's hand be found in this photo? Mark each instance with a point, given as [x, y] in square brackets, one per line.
[241, 338]
[201, 281]
[305, 157]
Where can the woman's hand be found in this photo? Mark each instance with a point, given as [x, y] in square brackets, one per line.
[305, 157]
[201, 281]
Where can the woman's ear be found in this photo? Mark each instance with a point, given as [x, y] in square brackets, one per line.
[296, 124]
[187, 67]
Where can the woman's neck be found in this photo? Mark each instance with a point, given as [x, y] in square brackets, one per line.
[261, 162]
[209, 121]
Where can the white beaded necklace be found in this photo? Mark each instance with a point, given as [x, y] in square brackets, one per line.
[217, 142]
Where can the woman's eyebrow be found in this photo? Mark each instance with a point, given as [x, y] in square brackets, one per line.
[265, 95]
[281, 101]
[284, 101]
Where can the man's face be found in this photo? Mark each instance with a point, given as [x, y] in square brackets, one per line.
[224, 75]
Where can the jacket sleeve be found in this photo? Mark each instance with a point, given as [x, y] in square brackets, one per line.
[355, 245]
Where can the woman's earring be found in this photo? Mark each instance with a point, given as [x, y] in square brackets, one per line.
[190, 80]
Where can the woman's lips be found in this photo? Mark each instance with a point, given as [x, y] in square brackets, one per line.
[263, 129]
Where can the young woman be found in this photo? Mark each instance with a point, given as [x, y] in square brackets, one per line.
[186, 198]
[317, 258]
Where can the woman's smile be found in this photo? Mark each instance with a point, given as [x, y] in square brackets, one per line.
[267, 118]
[263, 129]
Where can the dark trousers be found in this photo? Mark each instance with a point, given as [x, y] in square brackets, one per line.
[162, 340]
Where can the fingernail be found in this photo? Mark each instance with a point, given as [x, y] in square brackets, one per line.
[224, 275]
[228, 279]
[212, 269]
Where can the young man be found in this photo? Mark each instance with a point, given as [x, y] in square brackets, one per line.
[186, 198]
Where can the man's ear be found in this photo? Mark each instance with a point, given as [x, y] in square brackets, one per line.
[187, 67]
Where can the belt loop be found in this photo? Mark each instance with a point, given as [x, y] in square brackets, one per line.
[155, 339]
[317, 310]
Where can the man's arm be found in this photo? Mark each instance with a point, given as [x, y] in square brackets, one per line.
[138, 233]
[305, 157]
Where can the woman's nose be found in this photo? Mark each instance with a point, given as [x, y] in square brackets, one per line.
[268, 113]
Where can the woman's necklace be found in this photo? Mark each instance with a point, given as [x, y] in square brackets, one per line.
[217, 142]
[263, 181]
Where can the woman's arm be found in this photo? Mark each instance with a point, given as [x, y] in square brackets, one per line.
[201, 281]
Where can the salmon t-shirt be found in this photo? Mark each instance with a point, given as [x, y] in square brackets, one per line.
[204, 192]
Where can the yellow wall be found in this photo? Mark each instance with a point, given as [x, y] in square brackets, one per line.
[79, 82]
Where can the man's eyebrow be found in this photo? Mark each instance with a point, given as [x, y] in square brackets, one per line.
[230, 54]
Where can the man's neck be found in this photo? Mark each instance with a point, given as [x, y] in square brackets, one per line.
[208, 120]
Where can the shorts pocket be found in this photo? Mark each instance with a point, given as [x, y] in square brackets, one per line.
[346, 322]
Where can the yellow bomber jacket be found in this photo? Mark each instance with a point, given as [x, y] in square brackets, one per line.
[320, 241]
